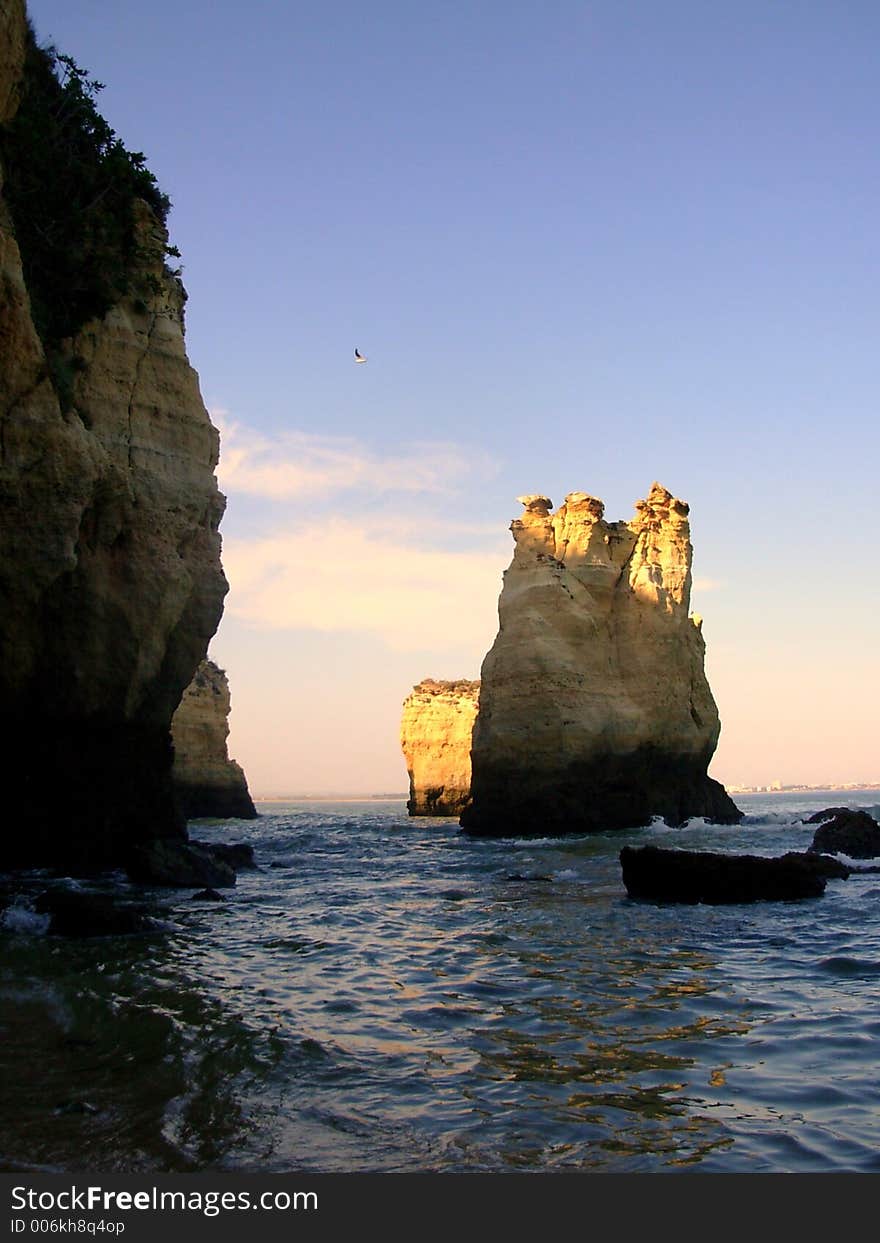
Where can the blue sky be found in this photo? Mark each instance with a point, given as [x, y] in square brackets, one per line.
[584, 246]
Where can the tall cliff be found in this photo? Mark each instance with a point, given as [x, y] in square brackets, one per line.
[110, 578]
[207, 782]
[595, 711]
[435, 734]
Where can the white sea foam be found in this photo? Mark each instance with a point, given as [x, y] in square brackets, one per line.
[21, 919]
[544, 843]
[659, 825]
[772, 817]
[47, 997]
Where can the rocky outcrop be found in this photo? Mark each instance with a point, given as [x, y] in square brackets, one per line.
[846, 831]
[110, 577]
[706, 876]
[178, 864]
[595, 712]
[435, 734]
[206, 780]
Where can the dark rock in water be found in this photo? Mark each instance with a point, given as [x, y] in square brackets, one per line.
[818, 816]
[208, 895]
[75, 914]
[848, 832]
[183, 865]
[518, 876]
[703, 876]
[824, 865]
[239, 855]
[608, 793]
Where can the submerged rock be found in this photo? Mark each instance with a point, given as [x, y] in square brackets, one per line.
[239, 855]
[693, 876]
[76, 914]
[206, 781]
[435, 734]
[847, 832]
[595, 712]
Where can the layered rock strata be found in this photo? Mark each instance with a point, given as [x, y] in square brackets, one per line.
[110, 577]
[435, 734]
[206, 780]
[595, 712]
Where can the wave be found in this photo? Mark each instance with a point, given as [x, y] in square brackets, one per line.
[544, 843]
[773, 818]
[846, 967]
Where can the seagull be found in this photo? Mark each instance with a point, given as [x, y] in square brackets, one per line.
[358, 356]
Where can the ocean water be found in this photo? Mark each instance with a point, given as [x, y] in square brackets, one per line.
[388, 995]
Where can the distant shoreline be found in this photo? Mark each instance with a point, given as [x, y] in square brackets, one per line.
[832, 789]
[402, 797]
[333, 798]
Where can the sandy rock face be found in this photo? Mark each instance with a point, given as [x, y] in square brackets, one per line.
[206, 780]
[110, 578]
[12, 41]
[435, 733]
[595, 711]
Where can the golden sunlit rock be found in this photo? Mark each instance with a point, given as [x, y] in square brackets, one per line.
[435, 733]
[595, 711]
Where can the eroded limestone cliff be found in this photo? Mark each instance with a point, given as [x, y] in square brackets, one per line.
[110, 578]
[595, 711]
[435, 734]
[206, 780]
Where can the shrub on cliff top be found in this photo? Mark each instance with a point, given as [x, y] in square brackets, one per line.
[71, 186]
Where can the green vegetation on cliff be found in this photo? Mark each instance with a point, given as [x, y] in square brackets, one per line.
[71, 186]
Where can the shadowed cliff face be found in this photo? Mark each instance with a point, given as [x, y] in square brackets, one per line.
[435, 734]
[110, 578]
[206, 781]
[595, 711]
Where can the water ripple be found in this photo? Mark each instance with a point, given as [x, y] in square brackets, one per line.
[390, 995]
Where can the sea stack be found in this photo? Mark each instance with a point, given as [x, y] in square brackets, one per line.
[207, 782]
[110, 578]
[435, 734]
[595, 712]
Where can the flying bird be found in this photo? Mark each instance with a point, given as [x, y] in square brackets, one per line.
[358, 356]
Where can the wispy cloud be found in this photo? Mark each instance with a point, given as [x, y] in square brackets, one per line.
[301, 465]
[339, 576]
[413, 571]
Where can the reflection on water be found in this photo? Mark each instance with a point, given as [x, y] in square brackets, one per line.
[388, 995]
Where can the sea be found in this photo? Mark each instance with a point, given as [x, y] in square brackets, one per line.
[388, 995]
